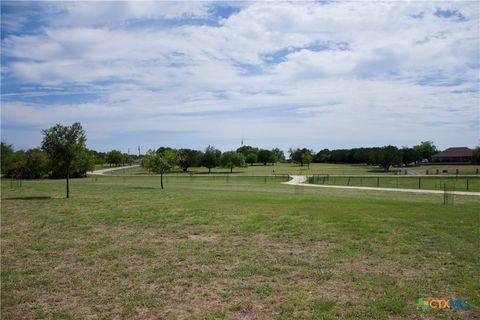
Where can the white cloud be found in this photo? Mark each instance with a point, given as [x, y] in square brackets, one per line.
[346, 68]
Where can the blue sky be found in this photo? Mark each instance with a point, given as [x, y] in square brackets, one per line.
[280, 74]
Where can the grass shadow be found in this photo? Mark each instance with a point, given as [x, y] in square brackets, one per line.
[144, 188]
[29, 198]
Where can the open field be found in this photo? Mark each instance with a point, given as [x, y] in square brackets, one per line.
[451, 183]
[449, 168]
[237, 248]
[279, 168]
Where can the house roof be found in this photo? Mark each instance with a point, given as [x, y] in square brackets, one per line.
[454, 152]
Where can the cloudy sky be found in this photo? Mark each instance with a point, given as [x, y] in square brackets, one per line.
[190, 74]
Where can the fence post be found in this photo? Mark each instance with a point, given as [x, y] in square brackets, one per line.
[348, 182]
[444, 193]
[378, 182]
[467, 184]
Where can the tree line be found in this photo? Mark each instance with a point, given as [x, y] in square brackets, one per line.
[63, 154]
[384, 157]
[165, 159]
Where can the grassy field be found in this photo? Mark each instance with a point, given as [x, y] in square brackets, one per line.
[280, 168]
[242, 248]
[451, 183]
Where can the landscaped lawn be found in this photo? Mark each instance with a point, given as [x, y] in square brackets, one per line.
[237, 248]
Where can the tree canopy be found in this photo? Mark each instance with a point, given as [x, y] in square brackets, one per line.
[231, 159]
[160, 161]
[211, 158]
[64, 145]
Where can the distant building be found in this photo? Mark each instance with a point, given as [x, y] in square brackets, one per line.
[459, 154]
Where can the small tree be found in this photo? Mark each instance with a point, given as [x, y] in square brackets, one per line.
[231, 159]
[160, 162]
[115, 158]
[307, 157]
[211, 158]
[63, 145]
[35, 164]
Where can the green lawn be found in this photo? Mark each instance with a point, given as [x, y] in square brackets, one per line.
[451, 183]
[242, 247]
[279, 168]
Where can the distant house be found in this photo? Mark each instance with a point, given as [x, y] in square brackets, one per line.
[459, 154]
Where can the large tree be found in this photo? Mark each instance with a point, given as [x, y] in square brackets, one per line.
[160, 161]
[278, 155]
[251, 158]
[265, 156]
[246, 150]
[231, 159]
[189, 158]
[410, 155]
[322, 156]
[211, 158]
[64, 145]
[476, 155]
[301, 156]
[6, 157]
[388, 156]
[427, 149]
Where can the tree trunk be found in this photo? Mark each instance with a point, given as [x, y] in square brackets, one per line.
[68, 182]
[231, 169]
[209, 170]
[161, 180]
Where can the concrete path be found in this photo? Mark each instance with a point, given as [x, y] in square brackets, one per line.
[299, 181]
[296, 180]
[410, 172]
[102, 172]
